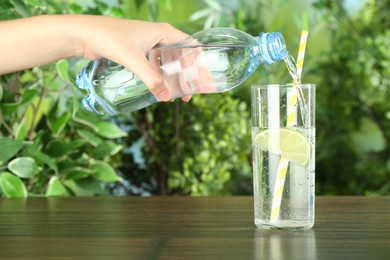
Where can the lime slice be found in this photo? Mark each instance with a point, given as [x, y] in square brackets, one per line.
[291, 144]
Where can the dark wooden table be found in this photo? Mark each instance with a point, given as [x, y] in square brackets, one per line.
[187, 228]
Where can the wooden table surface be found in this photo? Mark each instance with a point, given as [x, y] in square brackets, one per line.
[187, 228]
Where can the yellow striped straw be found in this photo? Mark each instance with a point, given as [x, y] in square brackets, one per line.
[283, 163]
[301, 54]
[291, 117]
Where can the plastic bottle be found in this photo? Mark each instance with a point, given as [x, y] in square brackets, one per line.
[209, 61]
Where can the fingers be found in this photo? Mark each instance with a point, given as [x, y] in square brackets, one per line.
[133, 55]
[148, 71]
[186, 98]
[152, 80]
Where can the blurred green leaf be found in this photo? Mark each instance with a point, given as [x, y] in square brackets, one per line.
[369, 138]
[84, 187]
[60, 123]
[153, 10]
[58, 148]
[21, 8]
[35, 3]
[62, 69]
[7, 10]
[1, 92]
[8, 109]
[167, 4]
[12, 186]
[109, 130]
[387, 113]
[49, 161]
[29, 95]
[104, 172]
[200, 14]
[84, 117]
[106, 148]
[138, 3]
[55, 188]
[213, 4]
[90, 137]
[9, 147]
[21, 130]
[78, 173]
[24, 167]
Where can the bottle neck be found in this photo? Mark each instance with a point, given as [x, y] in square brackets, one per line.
[272, 47]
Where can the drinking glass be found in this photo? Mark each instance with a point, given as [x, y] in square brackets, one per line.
[283, 137]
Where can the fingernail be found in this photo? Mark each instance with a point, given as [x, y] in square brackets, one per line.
[186, 98]
[164, 95]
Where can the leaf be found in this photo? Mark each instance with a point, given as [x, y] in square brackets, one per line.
[106, 149]
[35, 3]
[90, 137]
[62, 67]
[66, 164]
[84, 117]
[214, 4]
[388, 115]
[36, 110]
[167, 4]
[21, 130]
[58, 148]
[55, 188]
[369, 138]
[209, 22]
[84, 187]
[1, 92]
[9, 147]
[75, 8]
[77, 143]
[104, 172]
[8, 109]
[78, 173]
[29, 95]
[12, 186]
[60, 123]
[24, 167]
[21, 8]
[153, 10]
[32, 146]
[138, 3]
[200, 14]
[46, 160]
[109, 130]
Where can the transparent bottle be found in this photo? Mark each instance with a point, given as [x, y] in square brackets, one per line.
[209, 61]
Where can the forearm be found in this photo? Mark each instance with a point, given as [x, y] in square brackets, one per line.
[34, 41]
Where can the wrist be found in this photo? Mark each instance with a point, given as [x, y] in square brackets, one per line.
[70, 43]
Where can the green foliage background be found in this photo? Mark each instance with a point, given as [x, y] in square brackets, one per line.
[52, 147]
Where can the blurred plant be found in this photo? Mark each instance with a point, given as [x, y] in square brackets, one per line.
[153, 7]
[53, 147]
[353, 137]
[193, 148]
[215, 14]
[50, 146]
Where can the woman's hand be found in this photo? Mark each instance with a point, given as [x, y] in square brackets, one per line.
[35, 41]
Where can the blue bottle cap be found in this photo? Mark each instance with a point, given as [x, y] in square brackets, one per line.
[273, 47]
